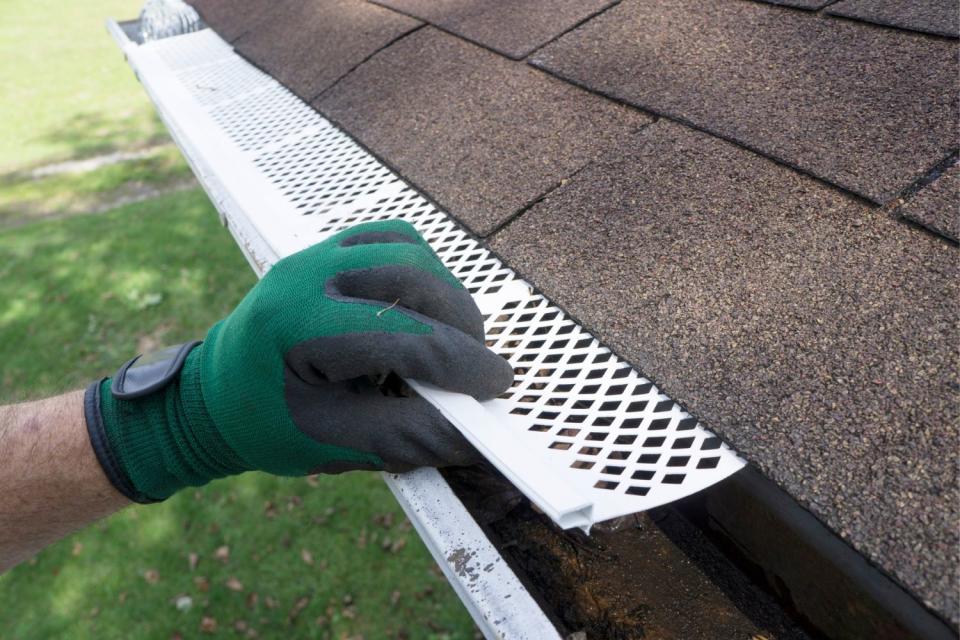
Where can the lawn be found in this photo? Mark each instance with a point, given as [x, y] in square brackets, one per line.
[252, 556]
[66, 90]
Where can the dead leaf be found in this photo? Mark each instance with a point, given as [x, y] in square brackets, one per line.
[269, 510]
[122, 597]
[201, 583]
[208, 624]
[222, 554]
[385, 520]
[321, 621]
[349, 612]
[398, 545]
[176, 636]
[270, 602]
[233, 584]
[252, 600]
[313, 480]
[77, 548]
[240, 625]
[293, 502]
[394, 598]
[94, 612]
[252, 633]
[152, 576]
[149, 342]
[306, 556]
[297, 607]
[192, 560]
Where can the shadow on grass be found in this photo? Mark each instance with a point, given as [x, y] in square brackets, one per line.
[79, 295]
[91, 134]
[25, 198]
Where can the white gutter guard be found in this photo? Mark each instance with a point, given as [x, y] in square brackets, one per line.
[581, 433]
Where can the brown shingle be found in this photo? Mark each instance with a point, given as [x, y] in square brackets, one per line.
[937, 206]
[482, 135]
[817, 335]
[941, 17]
[231, 19]
[512, 28]
[309, 45]
[866, 108]
[800, 4]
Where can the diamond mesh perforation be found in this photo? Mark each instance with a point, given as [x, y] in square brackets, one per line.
[264, 119]
[598, 423]
[323, 171]
[206, 48]
[224, 79]
[478, 269]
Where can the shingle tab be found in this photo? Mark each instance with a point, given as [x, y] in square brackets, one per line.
[817, 335]
[310, 45]
[231, 19]
[512, 28]
[482, 135]
[937, 206]
[865, 108]
[812, 5]
[941, 17]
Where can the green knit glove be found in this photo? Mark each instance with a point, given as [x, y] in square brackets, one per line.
[288, 382]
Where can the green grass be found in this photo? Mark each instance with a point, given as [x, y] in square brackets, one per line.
[24, 198]
[67, 92]
[80, 295]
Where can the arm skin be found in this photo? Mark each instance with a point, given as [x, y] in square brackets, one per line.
[51, 481]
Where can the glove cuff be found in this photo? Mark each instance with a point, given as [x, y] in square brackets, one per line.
[153, 445]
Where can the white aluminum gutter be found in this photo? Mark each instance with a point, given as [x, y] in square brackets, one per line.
[581, 433]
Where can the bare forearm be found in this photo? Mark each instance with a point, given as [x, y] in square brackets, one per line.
[51, 481]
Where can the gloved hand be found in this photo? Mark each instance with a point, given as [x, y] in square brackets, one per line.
[286, 383]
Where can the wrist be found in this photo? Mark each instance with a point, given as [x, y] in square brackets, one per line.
[153, 445]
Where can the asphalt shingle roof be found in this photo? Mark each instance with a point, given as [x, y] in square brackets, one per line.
[511, 28]
[232, 18]
[936, 206]
[310, 45]
[817, 332]
[800, 4]
[483, 135]
[939, 17]
[864, 108]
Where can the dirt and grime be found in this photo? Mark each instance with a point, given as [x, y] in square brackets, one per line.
[652, 575]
